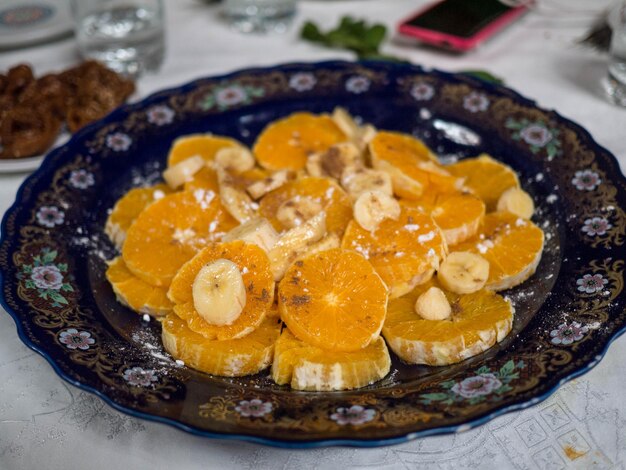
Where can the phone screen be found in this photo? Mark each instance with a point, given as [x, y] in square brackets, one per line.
[462, 18]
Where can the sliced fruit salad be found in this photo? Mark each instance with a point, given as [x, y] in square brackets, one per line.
[321, 247]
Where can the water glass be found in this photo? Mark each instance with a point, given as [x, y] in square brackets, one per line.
[259, 16]
[615, 83]
[126, 35]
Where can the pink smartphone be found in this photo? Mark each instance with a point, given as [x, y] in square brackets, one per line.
[461, 25]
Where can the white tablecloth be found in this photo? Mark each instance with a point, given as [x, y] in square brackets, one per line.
[45, 423]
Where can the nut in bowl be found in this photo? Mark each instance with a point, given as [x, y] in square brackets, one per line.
[368, 242]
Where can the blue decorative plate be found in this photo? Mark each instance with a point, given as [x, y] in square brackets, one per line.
[53, 254]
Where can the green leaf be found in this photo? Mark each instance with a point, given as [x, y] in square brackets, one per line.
[448, 384]
[475, 400]
[67, 287]
[375, 35]
[483, 75]
[344, 40]
[256, 92]
[62, 267]
[483, 370]
[58, 298]
[507, 368]
[311, 32]
[513, 376]
[504, 389]
[352, 34]
[49, 257]
[30, 284]
[551, 150]
[27, 268]
[207, 103]
[521, 365]
[435, 396]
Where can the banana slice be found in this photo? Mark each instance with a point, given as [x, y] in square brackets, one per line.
[345, 122]
[463, 272]
[372, 207]
[433, 305]
[237, 159]
[364, 136]
[258, 231]
[359, 135]
[432, 167]
[219, 294]
[234, 200]
[357, 181]
[518, 202]
[330, 241]
[297, 210]
[294, 243]
[313, 165]
[264, 186]
[182, 172]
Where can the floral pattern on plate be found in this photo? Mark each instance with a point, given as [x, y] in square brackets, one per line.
[486, 384]
[537, 135]
[47, 278]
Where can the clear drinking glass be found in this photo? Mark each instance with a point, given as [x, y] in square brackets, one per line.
[126, 35]
[615, 83]
[259, 16]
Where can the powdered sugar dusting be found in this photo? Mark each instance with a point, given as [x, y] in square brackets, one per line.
[426, 237]
[184, 235]
[151, 351]
[203, 197]
[483, 247]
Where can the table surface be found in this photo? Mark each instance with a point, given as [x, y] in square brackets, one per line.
[46, 423]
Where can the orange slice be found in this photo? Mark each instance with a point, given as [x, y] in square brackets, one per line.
[512, 246]
[128, 207]
[486, 177]
[333, 300]
[257, 277]
[170, 231]
[324, 191]
[286, 143]
[229, 358]
[306, 367]
[405, 252]
[413, 168]
[205, 178]
[135, 293]
[479, 320]
[205, 145]
[459, 216]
